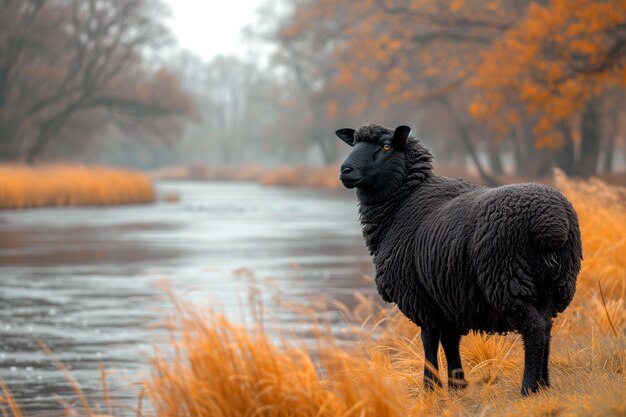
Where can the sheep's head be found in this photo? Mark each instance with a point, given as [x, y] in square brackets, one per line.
[376, 164]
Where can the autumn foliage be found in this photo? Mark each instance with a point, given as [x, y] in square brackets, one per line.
[24, 186]
[219, 368]
[556, 59]
[558, 65]
[543, 79]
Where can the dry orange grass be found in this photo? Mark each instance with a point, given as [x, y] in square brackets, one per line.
[221, 369]
[303, 176]
[24, 186]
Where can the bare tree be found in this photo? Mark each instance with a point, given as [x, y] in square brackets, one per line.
[60, 59]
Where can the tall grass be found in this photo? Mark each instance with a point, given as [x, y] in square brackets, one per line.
[222, 369]
[24, 186]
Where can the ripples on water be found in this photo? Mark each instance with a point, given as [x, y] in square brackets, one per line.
[85, 281]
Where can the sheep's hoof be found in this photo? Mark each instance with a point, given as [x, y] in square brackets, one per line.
[457, 384]
[456, 379]
[534, 387]
[530, 389]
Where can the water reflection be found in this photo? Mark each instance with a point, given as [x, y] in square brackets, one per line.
[86, 281]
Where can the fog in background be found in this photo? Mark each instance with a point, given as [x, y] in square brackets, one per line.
[150, 84]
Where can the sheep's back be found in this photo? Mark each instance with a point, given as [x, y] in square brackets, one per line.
[476, 252]
[529, 249]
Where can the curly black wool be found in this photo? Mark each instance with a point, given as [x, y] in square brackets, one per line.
[456, 256]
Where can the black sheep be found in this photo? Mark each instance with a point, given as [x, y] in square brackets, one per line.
[456, 257]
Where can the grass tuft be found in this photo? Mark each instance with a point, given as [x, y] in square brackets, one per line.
[23, 186]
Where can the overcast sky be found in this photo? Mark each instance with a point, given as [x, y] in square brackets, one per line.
[211, 27]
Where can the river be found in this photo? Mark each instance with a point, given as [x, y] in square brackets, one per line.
[89, 282]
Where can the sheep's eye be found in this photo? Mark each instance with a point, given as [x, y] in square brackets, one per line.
[386, 147]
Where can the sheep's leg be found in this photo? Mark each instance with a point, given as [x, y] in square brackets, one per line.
[450, 340]
[545, 374]
[430, 340]
[535, 331]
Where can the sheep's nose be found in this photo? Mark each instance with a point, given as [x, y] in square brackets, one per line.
[346, 169]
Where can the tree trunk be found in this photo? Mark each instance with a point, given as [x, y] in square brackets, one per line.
[3, 86]
[9, 132]
[525, 152]
[565, 157]
[495, 160]
[469, 145]
[329, 151]
[590, 142]
[607, 163]
[323, 137]
[545, 160]
[46, 133]
[518, 154]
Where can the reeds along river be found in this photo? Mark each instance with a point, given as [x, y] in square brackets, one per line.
[88, 282]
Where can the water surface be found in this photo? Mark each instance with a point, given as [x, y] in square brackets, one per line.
[88, 282]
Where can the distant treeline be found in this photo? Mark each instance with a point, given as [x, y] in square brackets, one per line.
[502, 86]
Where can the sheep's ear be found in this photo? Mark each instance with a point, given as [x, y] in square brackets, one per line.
[346, 135]
[400, 136]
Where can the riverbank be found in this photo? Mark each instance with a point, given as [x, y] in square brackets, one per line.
[370, 363]
[24, 186]
[288, 176]
[328, 176]
[221, 368]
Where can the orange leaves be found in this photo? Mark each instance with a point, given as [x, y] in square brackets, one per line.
[384, 55]
[536, 65]
[456, 5]
[478, 109]
[585, 46]
[552, 140]
[398, 79]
